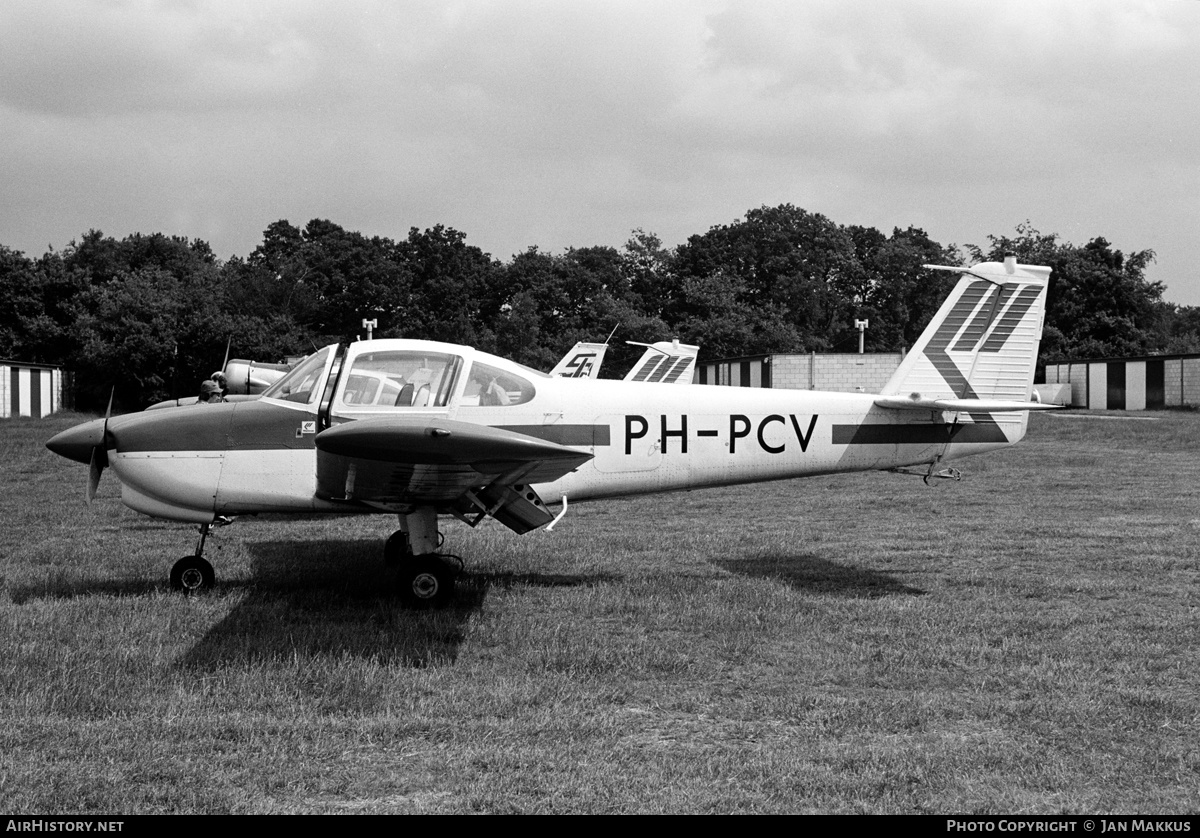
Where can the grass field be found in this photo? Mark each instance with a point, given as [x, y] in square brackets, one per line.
[1025, 641]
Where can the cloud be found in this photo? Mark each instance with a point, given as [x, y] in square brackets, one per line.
[558, 124]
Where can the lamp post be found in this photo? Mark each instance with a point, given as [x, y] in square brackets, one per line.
[861, 325]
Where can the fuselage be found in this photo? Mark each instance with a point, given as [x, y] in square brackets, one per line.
[193, 463]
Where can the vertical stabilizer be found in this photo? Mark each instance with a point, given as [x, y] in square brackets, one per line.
[666, 362]
[983, 341]
[583, 361]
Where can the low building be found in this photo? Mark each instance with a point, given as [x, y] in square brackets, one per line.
[839, 372]
[34, 390]
[1142, 383]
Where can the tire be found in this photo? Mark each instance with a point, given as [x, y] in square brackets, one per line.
[193, 575]
[426, 582]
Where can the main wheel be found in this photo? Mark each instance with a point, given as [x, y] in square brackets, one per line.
[426, 582]
[192, 575]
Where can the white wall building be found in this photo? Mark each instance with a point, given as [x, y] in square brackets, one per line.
[34, 390]
[839, 372]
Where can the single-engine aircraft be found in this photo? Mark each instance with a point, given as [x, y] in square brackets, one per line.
[420, 429]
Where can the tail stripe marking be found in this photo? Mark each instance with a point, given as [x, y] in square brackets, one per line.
[935, 351]
[1012, 317]
[681, 364]
[646, 369]
[996, 299]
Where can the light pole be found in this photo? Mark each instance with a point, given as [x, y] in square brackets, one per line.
[861, 325]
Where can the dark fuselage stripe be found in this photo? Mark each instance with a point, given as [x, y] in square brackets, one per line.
[916, 434]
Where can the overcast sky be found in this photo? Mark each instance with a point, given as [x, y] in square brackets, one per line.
[569, 124]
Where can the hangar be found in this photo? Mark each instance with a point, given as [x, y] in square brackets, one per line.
[1139, 383]
[26, 389]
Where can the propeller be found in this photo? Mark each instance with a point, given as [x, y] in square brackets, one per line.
[99, 460]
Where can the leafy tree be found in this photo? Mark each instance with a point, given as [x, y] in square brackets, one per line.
[147, 333]
[147, 317]
[38, 298]
[649, 270]
[717, 319]
[788, 263]
[897, 295]
[451, 285]
[1099, 303]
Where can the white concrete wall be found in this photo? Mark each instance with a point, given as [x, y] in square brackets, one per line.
[1098, 386]
[1135, 385]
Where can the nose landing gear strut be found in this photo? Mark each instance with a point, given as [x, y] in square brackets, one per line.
[193, 574]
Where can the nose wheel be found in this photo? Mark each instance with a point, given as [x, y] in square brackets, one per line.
[192, 575]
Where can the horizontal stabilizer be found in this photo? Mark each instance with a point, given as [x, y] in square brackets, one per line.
[917, 402]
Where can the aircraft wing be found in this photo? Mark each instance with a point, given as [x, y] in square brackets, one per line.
[917, 402]
[394, 462]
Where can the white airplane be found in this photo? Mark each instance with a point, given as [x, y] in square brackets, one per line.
[420, 430]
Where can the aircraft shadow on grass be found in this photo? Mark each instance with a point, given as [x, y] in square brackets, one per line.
[336, 599]
[808, 572]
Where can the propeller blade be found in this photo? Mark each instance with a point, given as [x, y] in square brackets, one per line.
[95, 468]
[99, 459]
[228, 344]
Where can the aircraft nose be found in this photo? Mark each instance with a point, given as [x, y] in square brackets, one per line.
[77, 443]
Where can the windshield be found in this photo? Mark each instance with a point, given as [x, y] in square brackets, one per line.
[301, 384]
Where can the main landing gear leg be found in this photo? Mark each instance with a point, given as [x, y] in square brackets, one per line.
[425, 578]
[193, 574]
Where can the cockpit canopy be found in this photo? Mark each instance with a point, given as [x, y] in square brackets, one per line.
[388, 374]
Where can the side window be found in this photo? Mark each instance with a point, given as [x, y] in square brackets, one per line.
[492, 387]
[400, 378]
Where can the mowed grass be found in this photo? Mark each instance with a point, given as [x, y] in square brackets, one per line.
[1023, 641]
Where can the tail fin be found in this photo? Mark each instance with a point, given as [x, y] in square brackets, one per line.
[983, 342]
[668, 362]
[583, 361]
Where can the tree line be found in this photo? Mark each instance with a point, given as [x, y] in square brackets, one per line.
[153, 314]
